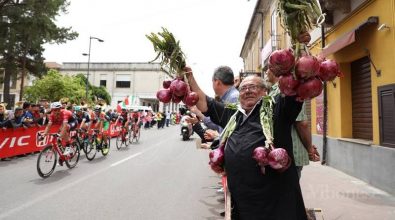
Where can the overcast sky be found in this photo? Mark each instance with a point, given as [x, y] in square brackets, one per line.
[211, 32]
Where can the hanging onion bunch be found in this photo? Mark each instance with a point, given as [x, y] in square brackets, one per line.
[299, 72]
[169, 52]
[299, 16]
[268, 155]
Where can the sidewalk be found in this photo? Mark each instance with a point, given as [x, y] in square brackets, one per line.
[341, 196]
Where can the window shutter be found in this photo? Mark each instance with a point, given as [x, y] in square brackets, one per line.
[387, 115]
[361, 88]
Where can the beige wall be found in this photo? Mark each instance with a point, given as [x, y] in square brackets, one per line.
[145, 79]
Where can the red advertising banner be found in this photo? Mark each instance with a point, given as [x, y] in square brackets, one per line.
[21, 141]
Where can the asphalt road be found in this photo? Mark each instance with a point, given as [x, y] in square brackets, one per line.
[162, 177]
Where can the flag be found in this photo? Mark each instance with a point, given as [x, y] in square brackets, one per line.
[120, 106]
[127, 100]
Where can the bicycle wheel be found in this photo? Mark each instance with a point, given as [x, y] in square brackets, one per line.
[74, 155]
[91, 149]
[106, 148]
[138, 135]
[130, 136]
[46, 161]
[119, 141]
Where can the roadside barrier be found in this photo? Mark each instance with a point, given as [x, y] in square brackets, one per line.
[20, 141]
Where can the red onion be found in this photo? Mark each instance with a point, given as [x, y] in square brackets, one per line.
[176, 99]
[166, 84]
[178, 87]
[304, 38]
[217, 156]
[191, 99]
[216, 168]
[288, 85]
[306, 67]
[309, 89]
[329, 69]
[164, 95]
[281, 62]
[278, 158]
[260, 155]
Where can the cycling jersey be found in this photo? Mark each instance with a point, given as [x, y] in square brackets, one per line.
[102, 117]
[123, 118]
[63, 116]
[83, 116]
[136, 115]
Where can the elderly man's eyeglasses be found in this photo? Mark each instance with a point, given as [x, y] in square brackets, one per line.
[252, 88]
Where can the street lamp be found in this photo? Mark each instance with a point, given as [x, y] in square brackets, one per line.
[89, 60]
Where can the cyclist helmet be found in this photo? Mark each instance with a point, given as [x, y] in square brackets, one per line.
[77, 108]
[97, 108]
[56, 105]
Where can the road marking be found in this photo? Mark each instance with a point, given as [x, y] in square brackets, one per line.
[41, 198]
[126, 159]
[10, 212]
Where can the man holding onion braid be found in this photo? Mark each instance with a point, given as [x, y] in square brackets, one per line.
[273, 195]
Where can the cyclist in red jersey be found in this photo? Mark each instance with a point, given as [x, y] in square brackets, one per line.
[124, 118]
[62, 117]
[65, 119]
[135, 116]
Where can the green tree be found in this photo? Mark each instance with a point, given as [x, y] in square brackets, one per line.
[94, 92]
[101, 93]
[54, 86]
[25, 27]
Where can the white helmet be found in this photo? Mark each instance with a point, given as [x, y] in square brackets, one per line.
[56, 105]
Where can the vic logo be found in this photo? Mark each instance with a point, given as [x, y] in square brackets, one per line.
[11, 141]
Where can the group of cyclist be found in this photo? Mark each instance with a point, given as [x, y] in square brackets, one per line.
[80, 117]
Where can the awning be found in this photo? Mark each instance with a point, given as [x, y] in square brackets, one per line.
[347, 38]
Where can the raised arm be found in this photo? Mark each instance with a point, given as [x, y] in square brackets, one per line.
[201, 104]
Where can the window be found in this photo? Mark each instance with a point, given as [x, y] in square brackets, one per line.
[103, 80]
[273, 31]
[387, 115]
[1, 78]
[103, 83]
[13, 81]
[123, 84]
[122, 81]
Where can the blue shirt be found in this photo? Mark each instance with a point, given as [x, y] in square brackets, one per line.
[231, 96]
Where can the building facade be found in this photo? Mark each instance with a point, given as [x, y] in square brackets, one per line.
[15, 87]
[139, 81]
[361, 105]
[359, 35]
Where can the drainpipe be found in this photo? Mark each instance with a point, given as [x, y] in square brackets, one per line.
[325, 122]
[262, 41]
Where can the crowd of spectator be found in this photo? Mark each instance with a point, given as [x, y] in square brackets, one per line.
[28, 115]
[25, 115]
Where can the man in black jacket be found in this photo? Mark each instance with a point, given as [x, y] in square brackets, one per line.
[269, 196]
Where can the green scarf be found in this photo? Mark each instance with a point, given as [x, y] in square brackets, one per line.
[266, 119]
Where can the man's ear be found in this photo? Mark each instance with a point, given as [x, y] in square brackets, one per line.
[218, 82]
